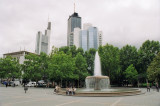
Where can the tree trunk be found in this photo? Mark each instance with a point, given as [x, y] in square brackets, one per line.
[66, 83]
[61, 82]
[78, 83]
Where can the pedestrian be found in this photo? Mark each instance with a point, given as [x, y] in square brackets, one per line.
[56, 90]
[67, 91]
[6, 84]
[25, 88]
[157, 87]
[148, 87]
[74, 90]
[70, 90]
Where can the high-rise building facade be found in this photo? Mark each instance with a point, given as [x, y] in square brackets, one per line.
[92, 37]
[84, 39]
[43, 41]
[86, 26]
[74, 21]
[89, 37]
[76, 37]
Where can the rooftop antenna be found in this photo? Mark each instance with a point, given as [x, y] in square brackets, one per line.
[48, 17]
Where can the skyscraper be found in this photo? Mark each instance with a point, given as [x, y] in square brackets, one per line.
[76, 37]
[74, 21]
[86, 26]
[43, 41]
[89, 37]
[92, 37]
[84, 39]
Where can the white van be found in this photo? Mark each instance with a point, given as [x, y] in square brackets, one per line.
[30, 84]
[16, 82]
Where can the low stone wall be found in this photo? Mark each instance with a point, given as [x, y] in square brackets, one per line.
[105, 94]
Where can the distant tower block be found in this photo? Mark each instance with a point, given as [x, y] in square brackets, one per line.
[74, 21]
[43, 41]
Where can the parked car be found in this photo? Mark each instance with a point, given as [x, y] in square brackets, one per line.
[16, 82]
[41, 83]
[13, 83]
[31, 84]
[4, 82]
[10, 83]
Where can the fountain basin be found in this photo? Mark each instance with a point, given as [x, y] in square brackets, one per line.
[110, 92]
[97, 82]
[105, 93]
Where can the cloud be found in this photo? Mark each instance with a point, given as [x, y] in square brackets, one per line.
[122, 21]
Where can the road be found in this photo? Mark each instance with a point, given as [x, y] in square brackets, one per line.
[15, 96]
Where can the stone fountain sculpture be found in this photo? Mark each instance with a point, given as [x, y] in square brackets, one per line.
[97, 82]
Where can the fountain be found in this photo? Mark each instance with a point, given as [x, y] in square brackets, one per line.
[98, 85]
[97, 82]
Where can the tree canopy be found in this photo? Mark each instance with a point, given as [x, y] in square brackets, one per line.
[72, 65]
[153, 70]
[131, 74]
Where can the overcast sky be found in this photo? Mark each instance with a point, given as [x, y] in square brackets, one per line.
[122, 21]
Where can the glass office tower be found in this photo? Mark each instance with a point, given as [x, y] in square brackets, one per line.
[92, 37]
[84, 39]
[74, 21]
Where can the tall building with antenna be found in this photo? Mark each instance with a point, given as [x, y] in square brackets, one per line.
[74, 21]
[43, 41]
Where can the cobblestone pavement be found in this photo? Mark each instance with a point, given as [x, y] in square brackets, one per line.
[15, 96]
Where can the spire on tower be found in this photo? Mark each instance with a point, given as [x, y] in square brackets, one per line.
[48, 17]
[49, 23]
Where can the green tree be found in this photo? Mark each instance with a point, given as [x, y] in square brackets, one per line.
[54, 50]
[80, 50]
[131, 74]
[61, 67]
[2, 71]
[146, 53]
[65, 49]
[10, 68]
[43, 65]
[153, 71]
[73, 50]
[81, 68]
[110, 62]
[32, 68]
[128, 55]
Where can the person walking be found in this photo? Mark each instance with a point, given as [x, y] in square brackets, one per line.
[157, 87]
[148, 87]
[6, 84]
[25, 88]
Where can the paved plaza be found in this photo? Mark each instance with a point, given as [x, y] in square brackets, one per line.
[15, 96]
